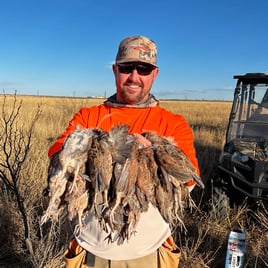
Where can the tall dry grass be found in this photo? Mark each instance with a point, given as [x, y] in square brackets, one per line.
[204, 245]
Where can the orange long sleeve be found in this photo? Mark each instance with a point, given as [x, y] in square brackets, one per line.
[156, 119]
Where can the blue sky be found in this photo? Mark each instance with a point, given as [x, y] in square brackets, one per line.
[66, 47]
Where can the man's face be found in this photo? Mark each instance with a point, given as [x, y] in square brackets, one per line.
[134, 81]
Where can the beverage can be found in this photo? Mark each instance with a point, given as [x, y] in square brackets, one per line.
[236, 250]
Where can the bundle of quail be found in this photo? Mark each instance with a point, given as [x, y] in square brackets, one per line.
[113, 176]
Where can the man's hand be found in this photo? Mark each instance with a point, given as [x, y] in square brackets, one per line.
[142, 140]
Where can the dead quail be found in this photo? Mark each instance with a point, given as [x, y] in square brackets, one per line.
[172, 159]
[75, 151]
[120, 190]
[100, 169]
[164, 199]
[57, 182]
[65, 166]
[57, 187]
[146, 179]
[122, 147]
[132, 169]
[130, 206]
[77, 199]
[121, 143]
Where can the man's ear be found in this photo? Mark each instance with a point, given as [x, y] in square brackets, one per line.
[156, 71]
[114, 68]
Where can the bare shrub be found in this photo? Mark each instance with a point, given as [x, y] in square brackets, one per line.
[22, 241]
[15, 142]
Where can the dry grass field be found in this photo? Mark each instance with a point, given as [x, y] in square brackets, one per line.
[203, 245]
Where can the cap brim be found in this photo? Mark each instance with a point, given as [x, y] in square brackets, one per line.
[135, 60]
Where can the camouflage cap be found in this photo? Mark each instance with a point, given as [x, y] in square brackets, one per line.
[137, 48]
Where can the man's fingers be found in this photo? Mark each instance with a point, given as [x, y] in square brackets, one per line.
[142, 140]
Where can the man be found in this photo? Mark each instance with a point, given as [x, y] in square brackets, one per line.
[135, 70]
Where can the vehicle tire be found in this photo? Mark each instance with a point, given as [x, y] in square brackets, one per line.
[220, 205]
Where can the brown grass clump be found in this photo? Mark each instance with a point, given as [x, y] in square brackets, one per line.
[203, 245]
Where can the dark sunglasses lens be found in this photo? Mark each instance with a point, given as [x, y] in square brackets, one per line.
[142, 69]
[126, 68]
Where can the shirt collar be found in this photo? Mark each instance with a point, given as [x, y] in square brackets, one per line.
[150, 102]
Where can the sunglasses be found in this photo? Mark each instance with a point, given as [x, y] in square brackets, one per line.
[142, 68]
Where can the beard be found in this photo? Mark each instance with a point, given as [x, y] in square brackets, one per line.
[132, 98]
[133, 92]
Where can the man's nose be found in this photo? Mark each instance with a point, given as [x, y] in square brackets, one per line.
[134, 74]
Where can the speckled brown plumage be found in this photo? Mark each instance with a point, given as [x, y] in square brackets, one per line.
[172, 159]
[116, 178]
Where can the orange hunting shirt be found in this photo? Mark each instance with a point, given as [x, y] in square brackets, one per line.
[140, 120]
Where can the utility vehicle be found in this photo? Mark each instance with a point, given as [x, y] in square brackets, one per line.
[242, 172]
